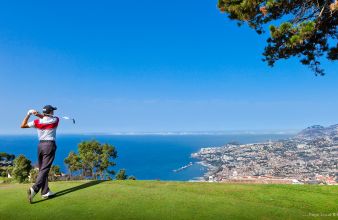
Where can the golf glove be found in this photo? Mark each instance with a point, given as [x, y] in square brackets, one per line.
[30, 112]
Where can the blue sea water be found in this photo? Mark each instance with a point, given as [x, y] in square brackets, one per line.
[144, 156]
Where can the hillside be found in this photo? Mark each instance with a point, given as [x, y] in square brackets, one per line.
[169, 200]
[318, 131]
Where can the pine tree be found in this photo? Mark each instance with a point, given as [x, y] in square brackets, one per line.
[303, 29]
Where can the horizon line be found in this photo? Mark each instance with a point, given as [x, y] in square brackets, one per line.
[179, 133]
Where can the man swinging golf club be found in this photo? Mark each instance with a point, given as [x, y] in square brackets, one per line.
[46, 126]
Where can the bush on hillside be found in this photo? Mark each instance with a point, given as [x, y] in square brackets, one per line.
[121, 175]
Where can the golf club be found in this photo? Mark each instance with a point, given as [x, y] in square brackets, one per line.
[63, 117]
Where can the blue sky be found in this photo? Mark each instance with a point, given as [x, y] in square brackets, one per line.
[151, 66]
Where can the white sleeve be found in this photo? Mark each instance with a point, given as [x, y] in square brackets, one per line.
[31, 124]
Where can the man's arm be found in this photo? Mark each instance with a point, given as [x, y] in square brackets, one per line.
[24, 123]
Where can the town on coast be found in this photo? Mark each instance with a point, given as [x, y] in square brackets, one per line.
[310, 157]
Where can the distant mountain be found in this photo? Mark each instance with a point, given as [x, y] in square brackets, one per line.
[318, 131]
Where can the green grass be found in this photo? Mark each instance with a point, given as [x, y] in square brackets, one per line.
[170, 200]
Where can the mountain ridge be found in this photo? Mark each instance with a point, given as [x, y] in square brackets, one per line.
[318, 131]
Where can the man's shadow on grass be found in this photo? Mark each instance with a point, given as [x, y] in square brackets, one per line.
[73, 189]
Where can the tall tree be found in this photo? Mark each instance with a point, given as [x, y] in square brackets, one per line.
[94, 159]
[89, 152]
[306, 29]
[73, 162]
[21, 169]
[107, 154]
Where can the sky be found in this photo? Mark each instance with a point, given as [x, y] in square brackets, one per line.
[151, 66]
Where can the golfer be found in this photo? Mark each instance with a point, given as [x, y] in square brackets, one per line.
[46, 126]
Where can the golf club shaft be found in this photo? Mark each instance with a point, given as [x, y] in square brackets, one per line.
[66, 118]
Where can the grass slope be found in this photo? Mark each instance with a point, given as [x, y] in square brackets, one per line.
[170, 200]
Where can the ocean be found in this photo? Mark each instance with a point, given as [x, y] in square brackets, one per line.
[147, 157]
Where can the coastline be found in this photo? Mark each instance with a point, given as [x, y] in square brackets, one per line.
[162, 153]
[296, 160]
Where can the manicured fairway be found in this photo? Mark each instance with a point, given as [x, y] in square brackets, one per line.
[170, 200]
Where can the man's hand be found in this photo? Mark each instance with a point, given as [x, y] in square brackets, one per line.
[24, 123]
[32, 112]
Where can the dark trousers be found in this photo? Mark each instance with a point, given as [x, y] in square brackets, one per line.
[46, 155]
